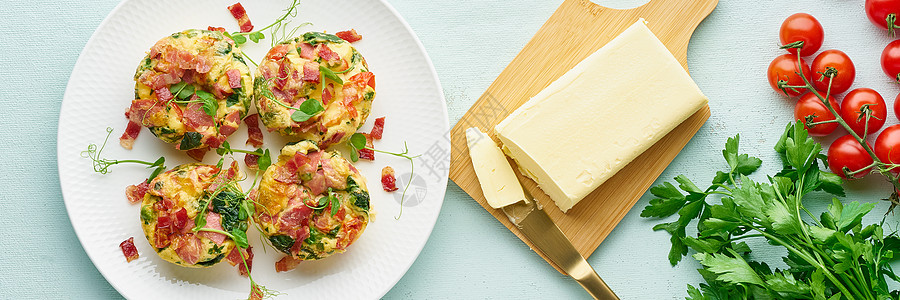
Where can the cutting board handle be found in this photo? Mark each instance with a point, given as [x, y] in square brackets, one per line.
[673, 21]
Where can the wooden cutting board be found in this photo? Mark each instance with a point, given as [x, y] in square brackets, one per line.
[577, 29]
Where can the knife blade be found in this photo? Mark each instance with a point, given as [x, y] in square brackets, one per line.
[525, 212]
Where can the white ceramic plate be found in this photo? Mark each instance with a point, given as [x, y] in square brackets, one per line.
[100, 89]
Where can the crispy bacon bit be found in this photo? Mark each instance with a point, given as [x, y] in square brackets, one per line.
[311, 71]
[230, 124]
[234, 78]
[239, 14]
[195, 118]
[365, 77]
[187, 246]
[163, 94]
[283, 72]
[130, 134]
[198, 153]
[307, 51]
[286, 263]
[388, 181]
[181, 218]
[212, 28]
[252, 160]
[349, 35]
[295, 216]
[317, 183]
[135, 193]
[213, 221]
[129, 250]
[254, 134]
[326, 53]
[378, 129]
[367, 153]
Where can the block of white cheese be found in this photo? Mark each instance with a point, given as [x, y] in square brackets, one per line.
[596, 118]
[498, 182]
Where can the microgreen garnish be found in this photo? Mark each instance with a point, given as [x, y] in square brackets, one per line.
[354, 60]
[358, 141]
[181, 91]
[240, 38]
[328, 73]
[307, 109]
[101, 165]
[314, 38]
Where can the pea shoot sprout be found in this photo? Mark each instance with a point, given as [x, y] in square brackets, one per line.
[101, 165]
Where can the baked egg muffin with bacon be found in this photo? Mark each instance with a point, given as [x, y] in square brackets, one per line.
[315, 87]
[192, 89]
[311, 204]
[185, 210]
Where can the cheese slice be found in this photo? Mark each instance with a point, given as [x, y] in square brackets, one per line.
[498, 182]
[596, 118]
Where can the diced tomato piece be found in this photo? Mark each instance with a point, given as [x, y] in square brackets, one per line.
[388, 181]
[349, 35]
[239, 14]
[129, 250]
[378, 129]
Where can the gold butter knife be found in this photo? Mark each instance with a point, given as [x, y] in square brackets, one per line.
[502, 190]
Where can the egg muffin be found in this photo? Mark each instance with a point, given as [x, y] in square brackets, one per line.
[315, 70]
[192, 89]
[311, 203]
[178, 199]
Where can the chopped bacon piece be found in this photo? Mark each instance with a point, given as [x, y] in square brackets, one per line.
[388, 181]
[367, 153]
[254, 134]
[378, 129]
[349, 35]
[163, 94]
[239, 14]
[283, 72]
[213, 221]
[307, 51]
[230, 124]
[234, 78]
[317, 183]
[135, 193]
[245, 269]
[195, 118]
[252, 160]
[145, 112]
[130, 134]
[187, 246]
[198, 153]
[311, 71]
[326, 53]
[295, 216]
[181, 218]
[286, 263]
[212, 28]
[129, 250]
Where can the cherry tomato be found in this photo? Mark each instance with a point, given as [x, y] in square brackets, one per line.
[890, 60]
[878, 11]
[784, 68]
[840, 62]
[802, 27]
[852, 105]
[809, 105]
[846, 152]
[897, 107]
[887, 146]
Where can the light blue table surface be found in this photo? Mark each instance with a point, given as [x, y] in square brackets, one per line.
[469, 255]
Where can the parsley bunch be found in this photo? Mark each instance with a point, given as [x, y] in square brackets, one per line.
[832, 256]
